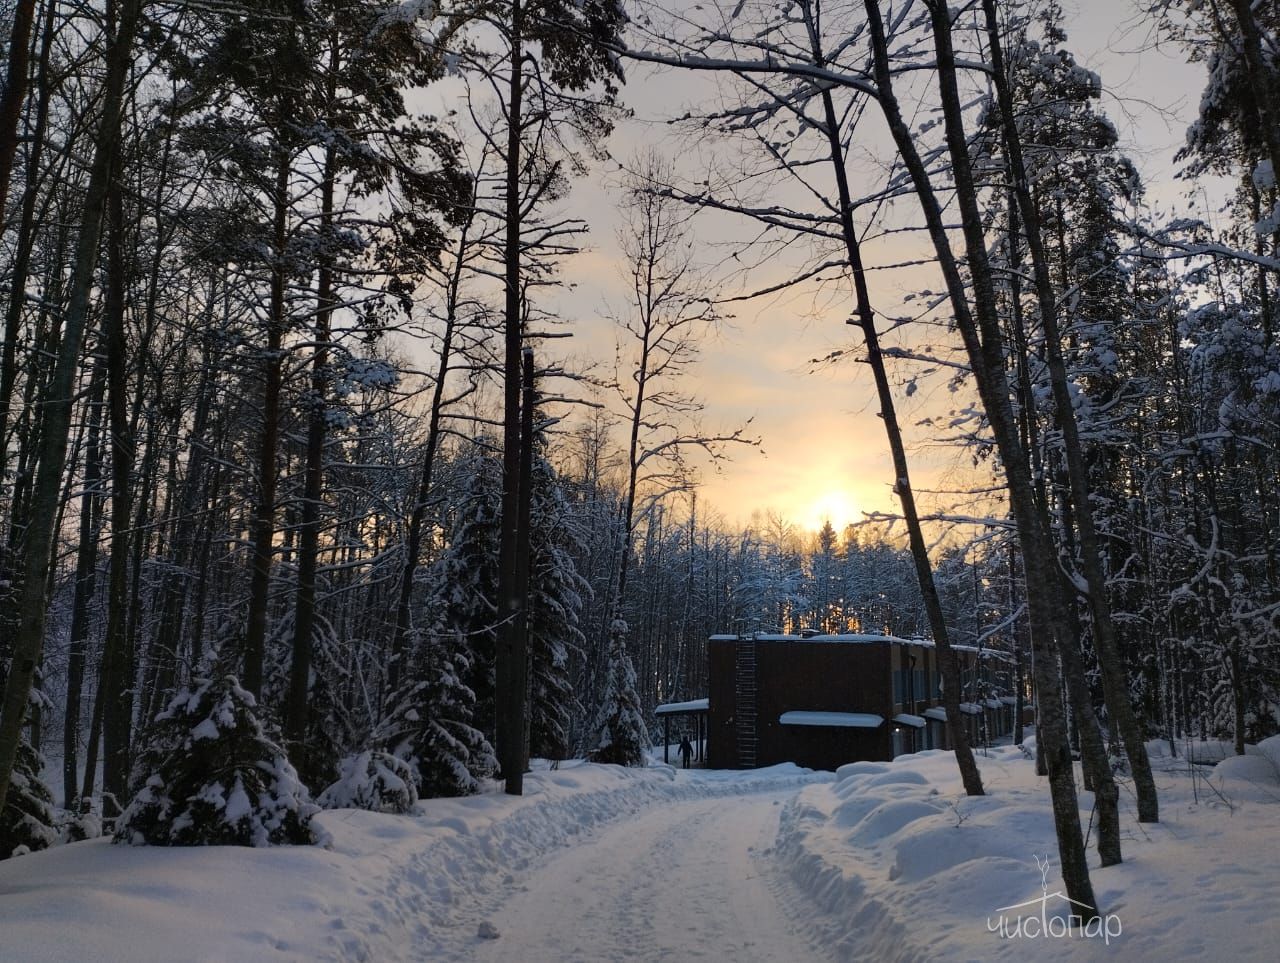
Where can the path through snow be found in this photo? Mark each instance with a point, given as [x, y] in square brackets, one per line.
[685, 880]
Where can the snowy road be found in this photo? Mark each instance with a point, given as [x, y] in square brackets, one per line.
[689, 880]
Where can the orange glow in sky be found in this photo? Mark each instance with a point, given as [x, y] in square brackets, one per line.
[834, 506]
[823, 454]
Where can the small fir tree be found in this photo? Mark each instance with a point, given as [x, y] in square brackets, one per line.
[623, 736]
[433, 726]
[210, 775]
[556, 593]
[463, 606]
[26, 824]
[330, 732]
[86, 824]
[374, 780]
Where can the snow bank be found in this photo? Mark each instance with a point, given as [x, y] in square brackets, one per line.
[1254, 776]
[884, 861]
[386, 888]
[906, 867]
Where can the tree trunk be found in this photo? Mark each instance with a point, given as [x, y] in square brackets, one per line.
[116, 683]
[511, 636]
[522, 673]
[296, 710]
[93, 743]
[143, 498]
[1260, 77]
[15, 92]
[264, 513]
[86, 580]
[1093, 752]
[413, 537]
[26, 232]
[166, 644]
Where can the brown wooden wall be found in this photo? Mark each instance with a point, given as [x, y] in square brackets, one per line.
[832, 676]
[806, 677]
[722, 746]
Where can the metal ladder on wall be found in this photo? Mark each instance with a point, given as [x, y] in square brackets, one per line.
[745, 702]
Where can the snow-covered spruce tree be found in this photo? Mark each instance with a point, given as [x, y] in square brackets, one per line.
[374, 780]
[26, 823]
[463, 605]
[209, 775]
[432, 725]
[329, 731]
[442, 716]
[823, 591]
[622, 736]
[556, 592]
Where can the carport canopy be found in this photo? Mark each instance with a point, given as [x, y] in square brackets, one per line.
[697, 708]
[848, 720]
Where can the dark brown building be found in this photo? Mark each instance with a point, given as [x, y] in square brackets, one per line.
[826, 700]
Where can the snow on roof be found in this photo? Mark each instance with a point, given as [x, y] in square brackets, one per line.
[848, 720]
[936, 712]
[675, 708]
[971, 708]
[907, 719]
[1009, 700]
[993, 703]
[841, 637]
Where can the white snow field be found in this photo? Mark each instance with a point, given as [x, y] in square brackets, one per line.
[882, 861]
[907, 868]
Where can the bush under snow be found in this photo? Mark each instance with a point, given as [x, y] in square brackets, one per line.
[210, 776]
[1253, 776]
[86, 824]
[374, 780]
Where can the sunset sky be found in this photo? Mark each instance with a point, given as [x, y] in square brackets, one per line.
[823, 453]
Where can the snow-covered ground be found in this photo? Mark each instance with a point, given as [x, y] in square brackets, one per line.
[884, 861]
[385, 888]
[908, 868]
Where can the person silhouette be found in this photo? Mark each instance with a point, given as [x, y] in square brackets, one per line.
[686, 750]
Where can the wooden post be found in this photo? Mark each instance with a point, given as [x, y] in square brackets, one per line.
[666, 739]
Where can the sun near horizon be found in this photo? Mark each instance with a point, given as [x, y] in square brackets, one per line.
[811, 512]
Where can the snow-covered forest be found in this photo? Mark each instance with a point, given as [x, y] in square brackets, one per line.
[334, 474]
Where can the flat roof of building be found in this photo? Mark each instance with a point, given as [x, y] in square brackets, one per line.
[857, 638]
[682, 708]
